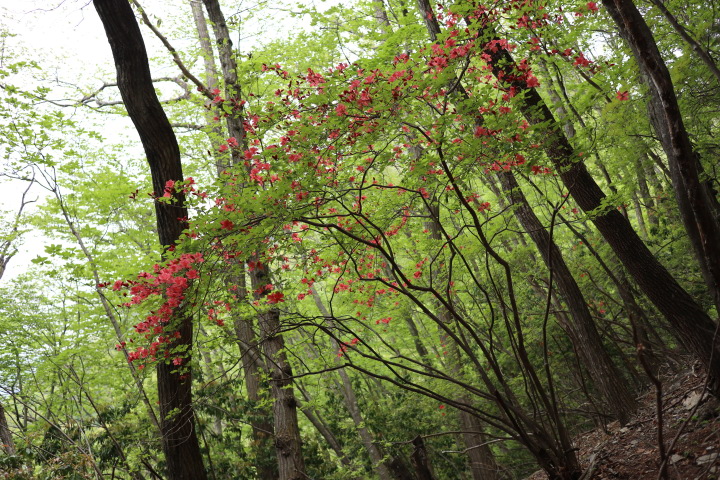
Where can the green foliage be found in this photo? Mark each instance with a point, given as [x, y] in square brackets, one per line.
[368, 187]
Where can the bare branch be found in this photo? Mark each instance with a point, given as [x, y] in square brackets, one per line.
[176, 58]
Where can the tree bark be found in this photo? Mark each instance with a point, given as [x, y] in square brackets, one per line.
[288, 444]
[690, 324]
[180, 443]
[695, 200]
[5, 434]
[260, 419]
[582, 330]
[421, 461]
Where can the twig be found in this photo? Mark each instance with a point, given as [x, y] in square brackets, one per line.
[662, 474]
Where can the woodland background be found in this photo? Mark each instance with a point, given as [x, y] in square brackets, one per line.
[379, 239]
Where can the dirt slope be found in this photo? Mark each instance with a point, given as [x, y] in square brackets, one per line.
[631, 452]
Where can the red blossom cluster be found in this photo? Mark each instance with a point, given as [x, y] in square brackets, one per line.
[169, 282]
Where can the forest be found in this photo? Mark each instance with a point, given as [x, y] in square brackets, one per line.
[373, 239]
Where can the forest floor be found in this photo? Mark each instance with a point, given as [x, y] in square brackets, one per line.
[631, 451]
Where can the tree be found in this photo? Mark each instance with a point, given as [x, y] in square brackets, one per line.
[393, 218]
[180, 443]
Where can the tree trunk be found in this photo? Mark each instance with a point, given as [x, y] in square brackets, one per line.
[5, 434]
[582, 331]
[382, 467]
[321, 426]
[646, 200]
[479, 456]
[694, 200]
[688, 321]
[694, 44]
[288, 444]
[421, 461]
[180, 443]
[260, 420]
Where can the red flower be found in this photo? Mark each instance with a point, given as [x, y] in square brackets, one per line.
[226, 225]
[275, 297]
[623, 95]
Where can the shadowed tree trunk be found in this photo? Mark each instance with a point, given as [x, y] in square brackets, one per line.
[288, 444]
[421, 461]
[582, 330]
[696, 201]
[5, 435]
[179, 438]
[690, 324]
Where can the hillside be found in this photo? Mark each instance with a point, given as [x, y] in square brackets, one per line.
[631, 452]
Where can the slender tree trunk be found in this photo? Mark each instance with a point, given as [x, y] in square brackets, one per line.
[5, 434]
[479, 456]
[639, 217]
[321, 426]
[381, 466]
[421, 460]
[694, 44]
[582, 331]
[211, 74]
[107, 307]
[180, 443]
[260, 420]
[646, 200]
[288, 444]
[695, 201]
[229, 69]
[381, 16]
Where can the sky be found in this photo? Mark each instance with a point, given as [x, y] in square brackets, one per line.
[66, 38]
